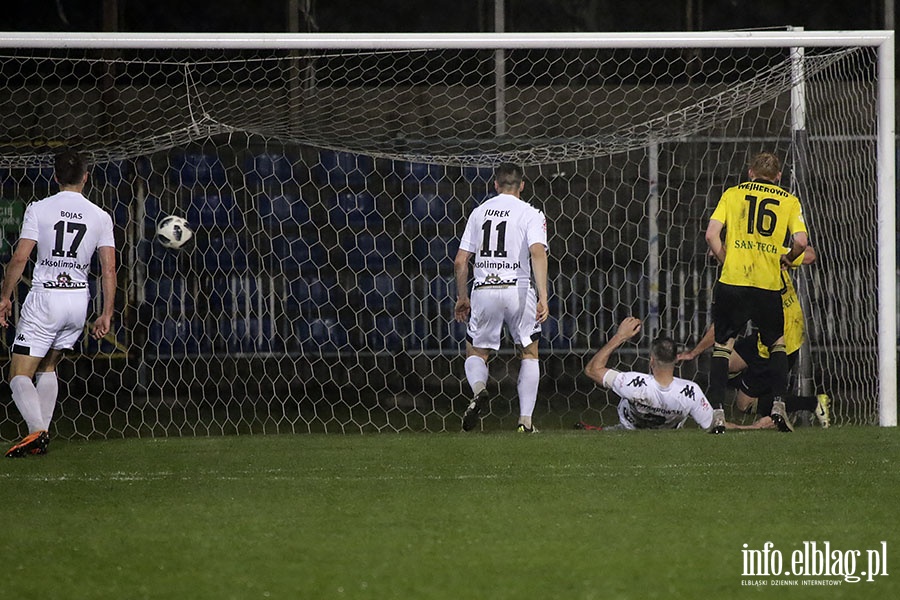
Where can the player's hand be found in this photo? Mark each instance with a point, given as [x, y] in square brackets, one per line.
[462, 310]
[786, 263]
[100, 327]
[720, 258]
[683, 356]
[764, 423]
[5, 311]
[629, 328]
[543, 311]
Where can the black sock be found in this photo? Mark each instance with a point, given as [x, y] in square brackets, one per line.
[778, 367]
[764, 406]
[718, 377]
[794, 403]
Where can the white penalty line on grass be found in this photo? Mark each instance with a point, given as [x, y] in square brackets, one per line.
[511, 472]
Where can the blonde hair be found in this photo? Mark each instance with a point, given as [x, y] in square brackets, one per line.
[766, 165]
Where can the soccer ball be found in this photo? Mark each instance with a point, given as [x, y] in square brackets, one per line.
[173, 232]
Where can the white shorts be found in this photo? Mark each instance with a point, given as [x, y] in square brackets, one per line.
[494, 306]
[50, 320]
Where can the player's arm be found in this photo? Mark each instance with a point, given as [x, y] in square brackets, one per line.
[706, 342]
[596, 368]
[539, 266]
[461, 271]
[809, 255]
[807, 258]
[714, 239]
[108, 286]
[701, 411]
[798, 245]
[12, 275]
[799, 237]
[763, 423]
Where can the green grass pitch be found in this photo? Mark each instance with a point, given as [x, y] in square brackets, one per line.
[496, 515]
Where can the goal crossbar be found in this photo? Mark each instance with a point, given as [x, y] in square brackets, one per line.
[408, 41]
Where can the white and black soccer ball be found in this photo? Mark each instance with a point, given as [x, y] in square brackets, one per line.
[173, 232]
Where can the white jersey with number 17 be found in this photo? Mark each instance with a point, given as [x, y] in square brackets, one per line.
[68, 228]
[500, 234]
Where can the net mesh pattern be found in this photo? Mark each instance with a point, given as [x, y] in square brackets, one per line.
[328, 190]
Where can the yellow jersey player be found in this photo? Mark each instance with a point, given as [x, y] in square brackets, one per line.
[758, 216]
[755, 379]
[748, 365]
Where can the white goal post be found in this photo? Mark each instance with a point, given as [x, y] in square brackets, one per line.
[334, 135]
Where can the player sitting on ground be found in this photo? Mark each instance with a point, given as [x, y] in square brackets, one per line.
[656, 401]
[750, 369]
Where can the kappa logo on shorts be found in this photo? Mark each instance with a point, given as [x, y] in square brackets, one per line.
[20, 338]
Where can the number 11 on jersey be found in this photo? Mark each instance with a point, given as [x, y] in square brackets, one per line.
[500, 250]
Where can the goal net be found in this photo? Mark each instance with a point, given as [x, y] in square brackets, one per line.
[328, 186]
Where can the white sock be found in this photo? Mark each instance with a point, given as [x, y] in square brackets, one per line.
[47, 386]
[529, 377]
[476, 373]
[26, 398]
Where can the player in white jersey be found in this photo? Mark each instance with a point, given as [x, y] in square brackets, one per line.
[67, 229]
[656, 401]
[507, 238]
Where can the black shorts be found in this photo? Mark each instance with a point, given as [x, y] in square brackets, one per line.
[756, 379]
[734, 305]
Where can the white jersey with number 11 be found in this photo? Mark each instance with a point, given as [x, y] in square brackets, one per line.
[500, 234]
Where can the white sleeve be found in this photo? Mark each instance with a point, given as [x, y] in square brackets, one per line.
[536, 230]
[107, 237]
[29, 224]
[609, 378]
[701, 412]
[468, 242]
